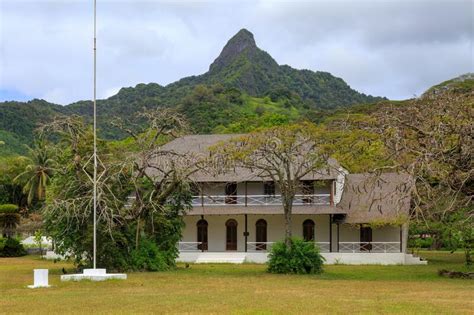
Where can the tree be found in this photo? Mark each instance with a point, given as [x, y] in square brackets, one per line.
[38, 173]
[138, 233]
[157, 174]
[9, 219]
[12, 191]
[431, 139]
[38, 238]
[284, 154]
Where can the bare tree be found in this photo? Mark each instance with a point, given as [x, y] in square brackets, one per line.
[283, 154]
[156, 173]
[432, 139]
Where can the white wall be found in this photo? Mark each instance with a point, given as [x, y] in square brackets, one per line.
[331, 258]
[276, 230]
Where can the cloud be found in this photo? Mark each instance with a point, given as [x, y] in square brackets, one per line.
[389, 48]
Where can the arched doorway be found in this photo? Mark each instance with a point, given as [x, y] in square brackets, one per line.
[231, 235]
[261, 234]
[308, 230]
[365, 238]
[202, 234]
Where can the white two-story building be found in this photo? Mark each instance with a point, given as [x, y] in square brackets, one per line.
[237, 216]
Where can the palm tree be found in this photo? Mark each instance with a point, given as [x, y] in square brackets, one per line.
[38, 173]
[9, 219]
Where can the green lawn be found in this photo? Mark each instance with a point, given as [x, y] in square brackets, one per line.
[243, 289]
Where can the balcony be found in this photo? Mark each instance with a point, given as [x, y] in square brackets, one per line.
[259, 200]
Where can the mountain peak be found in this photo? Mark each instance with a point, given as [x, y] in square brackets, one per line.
[239, 43]
[243, 37]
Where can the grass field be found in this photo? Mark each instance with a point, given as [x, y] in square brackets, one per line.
[243, 289]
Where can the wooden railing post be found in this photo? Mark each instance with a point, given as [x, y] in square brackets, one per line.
[331, 200]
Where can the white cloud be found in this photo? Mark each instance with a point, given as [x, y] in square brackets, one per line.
[390, 48]
[111, 91]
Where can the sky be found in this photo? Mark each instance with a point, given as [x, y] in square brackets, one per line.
[396, 49]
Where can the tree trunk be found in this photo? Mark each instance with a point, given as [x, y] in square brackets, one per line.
[137, 235]
[436, 245]
[287, 208]
[468, 256]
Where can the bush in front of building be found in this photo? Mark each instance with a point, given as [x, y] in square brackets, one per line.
[299, 258]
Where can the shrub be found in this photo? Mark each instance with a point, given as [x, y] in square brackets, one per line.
[8, 208]
[148, 257]
[11, 247]
[300, 258]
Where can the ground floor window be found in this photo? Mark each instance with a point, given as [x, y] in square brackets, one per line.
[308, 230]
[231, 234]
[202, 234]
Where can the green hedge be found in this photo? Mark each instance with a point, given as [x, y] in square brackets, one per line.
[300, 258]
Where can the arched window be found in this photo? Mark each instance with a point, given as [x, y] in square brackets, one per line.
[308, 230]
[261, 234]
[202, 234]
[231, 234]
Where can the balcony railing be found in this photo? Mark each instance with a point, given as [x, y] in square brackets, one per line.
[266, 246]
[369, 247]
[324, 247]
[189, 246]
[259, 200]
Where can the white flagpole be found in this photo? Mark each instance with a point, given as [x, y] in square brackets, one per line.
[95, 139]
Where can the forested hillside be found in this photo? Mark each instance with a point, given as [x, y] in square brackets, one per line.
[244, 88]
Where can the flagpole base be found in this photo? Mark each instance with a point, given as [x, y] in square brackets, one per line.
[94, 275]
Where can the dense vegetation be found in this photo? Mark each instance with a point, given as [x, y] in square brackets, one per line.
[244, 88]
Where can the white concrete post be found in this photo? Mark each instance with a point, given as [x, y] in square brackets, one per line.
[40, 279]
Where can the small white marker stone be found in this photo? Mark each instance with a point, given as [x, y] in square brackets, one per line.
[40, 279]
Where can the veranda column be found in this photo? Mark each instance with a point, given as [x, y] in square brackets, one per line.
[404, 237]
[330, 233]
[246, 233]
[246, 201]
[401, 237]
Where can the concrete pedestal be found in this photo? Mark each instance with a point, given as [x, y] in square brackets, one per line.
[40, 279]
[94, 275]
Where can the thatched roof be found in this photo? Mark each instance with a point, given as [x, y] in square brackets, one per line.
[369, 198]
[199, 146]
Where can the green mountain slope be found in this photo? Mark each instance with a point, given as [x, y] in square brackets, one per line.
[244, 88]
[244, 66]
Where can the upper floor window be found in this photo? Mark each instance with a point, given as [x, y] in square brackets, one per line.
[231, 193]
[307, 187]
[269, 188]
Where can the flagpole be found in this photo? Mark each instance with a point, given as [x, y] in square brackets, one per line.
[95, 137]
